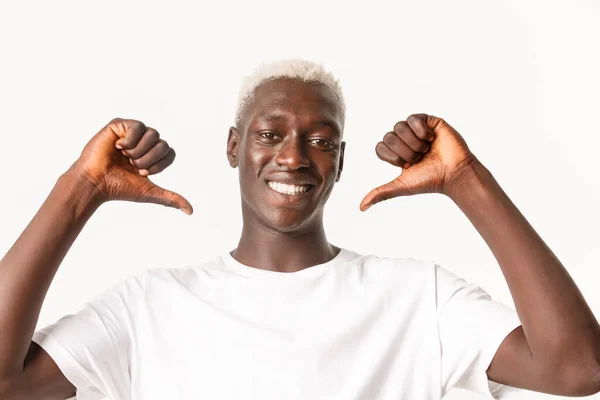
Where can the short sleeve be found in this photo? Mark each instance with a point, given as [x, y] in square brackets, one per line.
[471, 328]
[93, 348]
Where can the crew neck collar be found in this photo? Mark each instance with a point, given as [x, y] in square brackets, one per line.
[343, 255]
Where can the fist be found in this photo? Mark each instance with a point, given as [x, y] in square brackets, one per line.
[119, 159]
[431, 152]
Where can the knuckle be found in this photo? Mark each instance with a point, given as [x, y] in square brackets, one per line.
[153, 133]
[162, 146]
[417, 123]
[135, 124]
[389, 138]
[414, 118]
[168, 160]
[115, 120]
[401, 126]
[170, 157]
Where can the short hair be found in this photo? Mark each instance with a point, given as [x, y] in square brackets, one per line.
[302, 70]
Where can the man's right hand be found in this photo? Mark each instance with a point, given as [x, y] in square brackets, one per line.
[118, 160]
[102, 173]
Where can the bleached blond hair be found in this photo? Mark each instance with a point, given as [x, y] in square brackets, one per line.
[302, 70]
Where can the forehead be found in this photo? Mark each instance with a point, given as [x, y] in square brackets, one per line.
[295, 97]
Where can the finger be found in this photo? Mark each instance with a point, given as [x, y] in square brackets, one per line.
[398, 146]
[157, 152]
[158, 195]
[384, 192]
[410, 136]
[384, 153]
[133, 133]
[147, 141]
[418, 123]
[160, 165]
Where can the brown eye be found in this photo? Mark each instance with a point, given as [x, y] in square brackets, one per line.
[323, 143]
[268, 135]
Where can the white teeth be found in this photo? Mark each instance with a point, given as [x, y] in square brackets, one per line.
[288, 189]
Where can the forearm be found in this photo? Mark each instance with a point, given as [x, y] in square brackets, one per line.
[555, 317]
[28, 268]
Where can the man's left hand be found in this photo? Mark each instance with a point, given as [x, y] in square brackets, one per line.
[432, 153]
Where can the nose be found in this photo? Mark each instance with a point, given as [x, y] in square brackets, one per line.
[293, 154]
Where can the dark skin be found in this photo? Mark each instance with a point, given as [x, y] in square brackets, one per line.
[555, 351]
[104, 172]
[292, 134]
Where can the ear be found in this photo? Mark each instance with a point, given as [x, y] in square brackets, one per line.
[342, 149]
[233, 140]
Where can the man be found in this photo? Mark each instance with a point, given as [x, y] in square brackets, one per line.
[287, 315]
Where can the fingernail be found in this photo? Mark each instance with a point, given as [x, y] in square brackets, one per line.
[143, 172]
[118, 147]
[188, 212]
[406, 165]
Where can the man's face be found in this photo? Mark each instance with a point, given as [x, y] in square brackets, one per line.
[290, 153]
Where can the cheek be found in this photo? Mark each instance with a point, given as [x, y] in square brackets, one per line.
[256, 159]
[251, 167]
[328, 166]
[256, 155]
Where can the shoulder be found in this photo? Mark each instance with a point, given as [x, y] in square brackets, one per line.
[404, 271]
[186, 274]
[401, 265]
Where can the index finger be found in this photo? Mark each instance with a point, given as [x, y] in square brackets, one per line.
[418, 123]
[133, 132]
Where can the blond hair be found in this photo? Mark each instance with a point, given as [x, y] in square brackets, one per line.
[302, 70]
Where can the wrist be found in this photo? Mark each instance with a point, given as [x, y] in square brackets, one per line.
[83, 191]
[469, 177]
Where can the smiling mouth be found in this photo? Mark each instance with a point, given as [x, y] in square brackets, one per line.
[289, 189]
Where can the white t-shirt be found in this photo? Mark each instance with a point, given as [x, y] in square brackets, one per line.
[356, 327]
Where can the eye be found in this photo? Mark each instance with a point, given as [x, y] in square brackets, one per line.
[267, 135]
[327, 144]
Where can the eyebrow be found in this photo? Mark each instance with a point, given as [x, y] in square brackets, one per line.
[271, 116]
[332, 125]
[274, 116]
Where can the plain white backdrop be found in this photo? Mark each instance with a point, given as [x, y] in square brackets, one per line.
[519, 80]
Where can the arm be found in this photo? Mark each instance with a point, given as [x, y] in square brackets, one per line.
[101, 173]
[28, 268]
[557, 350]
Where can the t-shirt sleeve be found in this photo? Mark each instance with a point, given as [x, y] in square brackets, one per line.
[471, 327]
[93, 348]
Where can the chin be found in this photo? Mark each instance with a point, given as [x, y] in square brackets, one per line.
[285, 218]
[286, 221]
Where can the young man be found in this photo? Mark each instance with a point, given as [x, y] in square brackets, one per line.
[287, 315]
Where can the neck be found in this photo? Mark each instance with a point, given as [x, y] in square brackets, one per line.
[269, 249]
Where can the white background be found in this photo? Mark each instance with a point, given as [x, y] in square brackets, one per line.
[519, 80]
